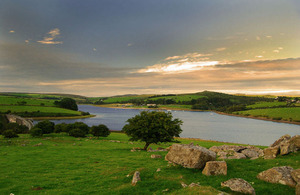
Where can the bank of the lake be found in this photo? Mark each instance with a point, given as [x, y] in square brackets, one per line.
[202, 125]
[165, 107]
[61, 117]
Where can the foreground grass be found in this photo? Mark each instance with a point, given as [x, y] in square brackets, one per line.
[67, 165]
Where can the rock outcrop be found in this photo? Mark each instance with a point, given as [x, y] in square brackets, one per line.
[237, 152]
[239, 185]
[271, 152]
[190, 156]
[280, 175]
[215, 168]
[285, 145]
[156, 156]
[296, 175]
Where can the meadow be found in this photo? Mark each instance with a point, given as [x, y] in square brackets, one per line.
[67, 165]
[8, 100]
[288, 114]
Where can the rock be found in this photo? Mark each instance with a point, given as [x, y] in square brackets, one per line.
[183, 184]
[271, 152]
[297, 190]
[280, 175]
[296, 175]
[216, 149]
[250, 153]
[156, 156]
[237, 155]
[39, 144]
[286, 148]
[239, 185]
[282, 139]
[295, 141]
[194, 185]
[190, 156]
[158, 170]
[215, 168]
[136, 177]
[132, 150]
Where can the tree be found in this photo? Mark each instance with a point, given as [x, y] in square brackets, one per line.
[153, 127]
[67, 103]
[36, 132]
[100, 131]
[46, 126]
[9, 133]
[77, 133]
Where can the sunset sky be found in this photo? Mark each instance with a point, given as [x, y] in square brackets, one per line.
[115, 47]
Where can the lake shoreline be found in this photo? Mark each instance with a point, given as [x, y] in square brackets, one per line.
[195, 110]
[60, 117]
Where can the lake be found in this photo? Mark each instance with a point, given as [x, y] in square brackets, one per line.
[204, 125]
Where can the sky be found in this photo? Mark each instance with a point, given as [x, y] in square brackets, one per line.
[117, 47]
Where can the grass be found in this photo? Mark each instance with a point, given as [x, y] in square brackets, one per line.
[284, 113]
[266, 105]
[8, 100]
[40, 109]
[67, 165]
[177, 98]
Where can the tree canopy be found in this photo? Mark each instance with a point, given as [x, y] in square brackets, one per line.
[152, 127]
[67, 103]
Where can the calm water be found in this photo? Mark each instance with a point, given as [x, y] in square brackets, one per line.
[204, 125]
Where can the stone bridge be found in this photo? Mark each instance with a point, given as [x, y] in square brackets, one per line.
[19, 120]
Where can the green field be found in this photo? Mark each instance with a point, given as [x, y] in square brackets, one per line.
[291, 113]
[67, 165]
[8, 100]
[179, 98]
[41, 109]
[266, 105]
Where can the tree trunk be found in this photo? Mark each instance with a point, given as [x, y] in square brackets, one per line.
[146, 146]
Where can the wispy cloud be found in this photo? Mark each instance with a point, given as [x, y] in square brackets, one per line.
[53, 34]
[221, 49]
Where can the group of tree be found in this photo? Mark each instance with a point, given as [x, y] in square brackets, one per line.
[67, 103]
[149, 127]
[77, 129]
[11, 130]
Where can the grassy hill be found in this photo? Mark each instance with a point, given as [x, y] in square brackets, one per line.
[67, 165]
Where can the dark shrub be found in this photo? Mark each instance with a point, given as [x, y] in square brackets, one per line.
[100, 131]
[46, 126]
[80, 125]
[77, 133]
[10, 133]
[67, 103]
[17, 128]
[36, 132]
[62, 127]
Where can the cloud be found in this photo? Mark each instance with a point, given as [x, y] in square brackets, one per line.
[191, 56]
[259, 56]
[11, 31]
[177, 68]
[258, 38]
[221, 49]
[276, 51]
[52, 34]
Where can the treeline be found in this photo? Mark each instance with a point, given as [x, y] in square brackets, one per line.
[207, 101]
[77, 129]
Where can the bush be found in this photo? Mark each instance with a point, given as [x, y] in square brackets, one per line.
[80, 125]
[10, 133]
[36, 132]
[100, 131]
[77, 133]
[17, 128]
[46, 126]
[67, 103]
[62, 127]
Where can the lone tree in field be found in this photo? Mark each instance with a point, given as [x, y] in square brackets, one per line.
[152, 127]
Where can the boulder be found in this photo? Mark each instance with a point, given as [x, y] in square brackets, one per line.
[237, 155]
[295, 141]
[250, 153]
[271, 152]
[296, 175]
[239, 185]
[297, 190]
[282, 139]
[216, 149]
[190, 156]
[215, 168]
[286, 148]
[280, 175]
[155, 156]
[136, 177]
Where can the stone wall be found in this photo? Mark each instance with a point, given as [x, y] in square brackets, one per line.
[21, 121]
